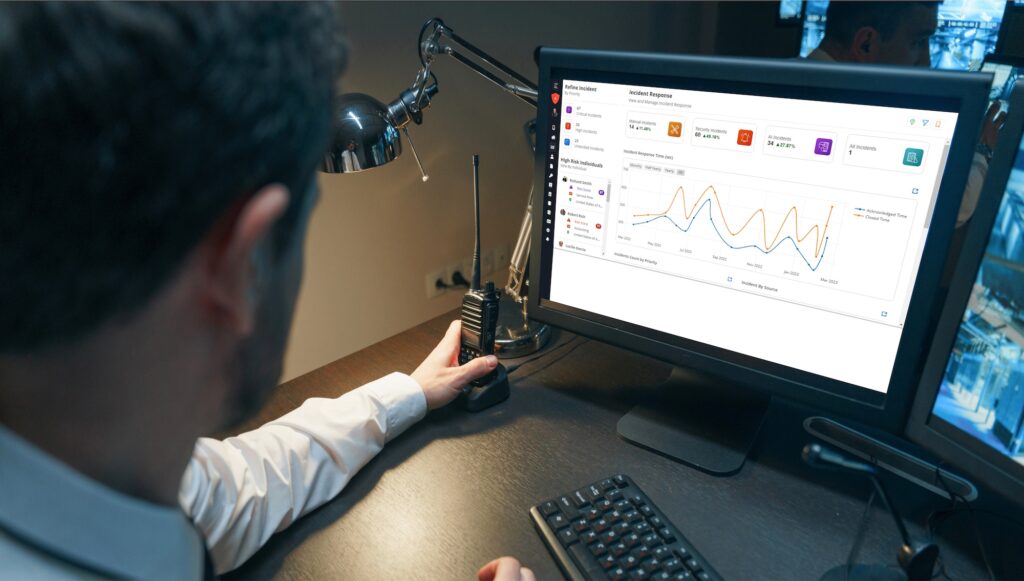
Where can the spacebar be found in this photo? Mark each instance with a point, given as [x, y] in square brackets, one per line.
[586, 561]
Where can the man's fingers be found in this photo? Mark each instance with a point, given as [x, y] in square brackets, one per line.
[999, 120]
[503, 569]
[449, 343]
[526, 574]
[478, 367]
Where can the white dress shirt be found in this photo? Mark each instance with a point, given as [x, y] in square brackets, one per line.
[58, 524]
[975, 179]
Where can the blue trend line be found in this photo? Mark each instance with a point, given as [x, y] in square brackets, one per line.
[707, 202]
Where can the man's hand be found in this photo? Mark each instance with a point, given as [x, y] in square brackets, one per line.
[994, 120]
[440, 376]
[505, 569]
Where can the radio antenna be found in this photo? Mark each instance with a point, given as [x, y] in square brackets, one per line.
[475, 285]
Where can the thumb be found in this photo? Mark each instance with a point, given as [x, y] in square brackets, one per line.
[478, 367]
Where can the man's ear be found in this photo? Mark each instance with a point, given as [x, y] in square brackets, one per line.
[229, 273]
[865, 44]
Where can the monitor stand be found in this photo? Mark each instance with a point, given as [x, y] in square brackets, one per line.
[698, 420]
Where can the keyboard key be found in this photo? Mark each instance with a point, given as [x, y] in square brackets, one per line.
[632, 516]
[606, 561]
[651, 540]
[637, 500]
[703, 576]
[683, 576]
[613, 517]
[607, 484]
[579, 525]
[600, 525]
[620, 481]
[618, 574]
[692, 565]
[593, 493]
[672, 565]
[622, 528]
[666, 534]
[567, 536]
[614, 495]
[622, 505]
[548, 508]
[631, 540]
[628, 562]
[638, 574]
[599, 549]
[646, 510]
[618, 549]
[609, 537]
[588, 537]
[591, 514]
[568, 507]
[557, 521]
[656, 522]
[579, 499]
[662, 552]
[651, 565]
[641, 552]
[682, 553]
[663, 576]
[640, 528]
[603, 505]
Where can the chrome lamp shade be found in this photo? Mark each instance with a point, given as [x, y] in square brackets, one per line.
[364, 137]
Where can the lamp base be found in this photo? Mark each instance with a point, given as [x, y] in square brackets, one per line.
[517, 336]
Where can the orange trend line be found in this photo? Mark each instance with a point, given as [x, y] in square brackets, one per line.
[819, 235]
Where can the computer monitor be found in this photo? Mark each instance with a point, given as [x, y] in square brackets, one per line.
[777, 223]
[1010, 47]
[967, 31]
[970, 405]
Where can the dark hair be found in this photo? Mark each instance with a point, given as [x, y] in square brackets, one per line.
[844, 18]
[128, 129]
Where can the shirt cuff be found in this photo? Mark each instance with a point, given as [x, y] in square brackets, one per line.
[402, 397]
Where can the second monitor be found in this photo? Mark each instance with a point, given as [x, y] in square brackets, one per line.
[778, 224]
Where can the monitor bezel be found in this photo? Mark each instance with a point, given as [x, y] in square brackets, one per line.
[971, 89]
[932, 432]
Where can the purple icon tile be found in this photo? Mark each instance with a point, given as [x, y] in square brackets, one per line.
[823, 146]
[600, 192]
[568, 109]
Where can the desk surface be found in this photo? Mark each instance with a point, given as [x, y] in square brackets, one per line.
[454, 491]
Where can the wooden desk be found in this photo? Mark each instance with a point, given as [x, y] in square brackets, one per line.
[454, 491]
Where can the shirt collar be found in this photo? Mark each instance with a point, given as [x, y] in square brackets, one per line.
[49, 505]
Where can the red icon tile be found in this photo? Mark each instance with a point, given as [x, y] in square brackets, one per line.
[745, 137]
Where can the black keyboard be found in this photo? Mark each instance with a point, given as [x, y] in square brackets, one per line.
[611, 530]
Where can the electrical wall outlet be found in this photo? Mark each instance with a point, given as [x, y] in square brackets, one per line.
[432, 279]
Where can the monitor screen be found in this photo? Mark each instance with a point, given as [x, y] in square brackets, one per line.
[790, 10]
[966, 31]
[982, 390]
[783, 225]
[1003, 79]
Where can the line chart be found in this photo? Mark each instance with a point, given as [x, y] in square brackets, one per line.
[736, 229]
[820, 231]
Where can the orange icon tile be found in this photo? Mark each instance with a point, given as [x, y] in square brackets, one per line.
[675, 129]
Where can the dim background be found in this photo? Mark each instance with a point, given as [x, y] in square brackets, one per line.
[376, 235]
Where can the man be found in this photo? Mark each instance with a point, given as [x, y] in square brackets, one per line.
[898, 33]
[157, 173]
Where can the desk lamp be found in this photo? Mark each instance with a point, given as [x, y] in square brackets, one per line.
[367, 136]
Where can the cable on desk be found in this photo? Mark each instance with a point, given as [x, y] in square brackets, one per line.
[933, 529]
[513, 368]
[858, 539]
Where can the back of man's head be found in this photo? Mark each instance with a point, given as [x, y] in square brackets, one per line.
[880, 32]
[127, 129]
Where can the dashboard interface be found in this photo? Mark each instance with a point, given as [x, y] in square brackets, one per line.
[785, 228]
